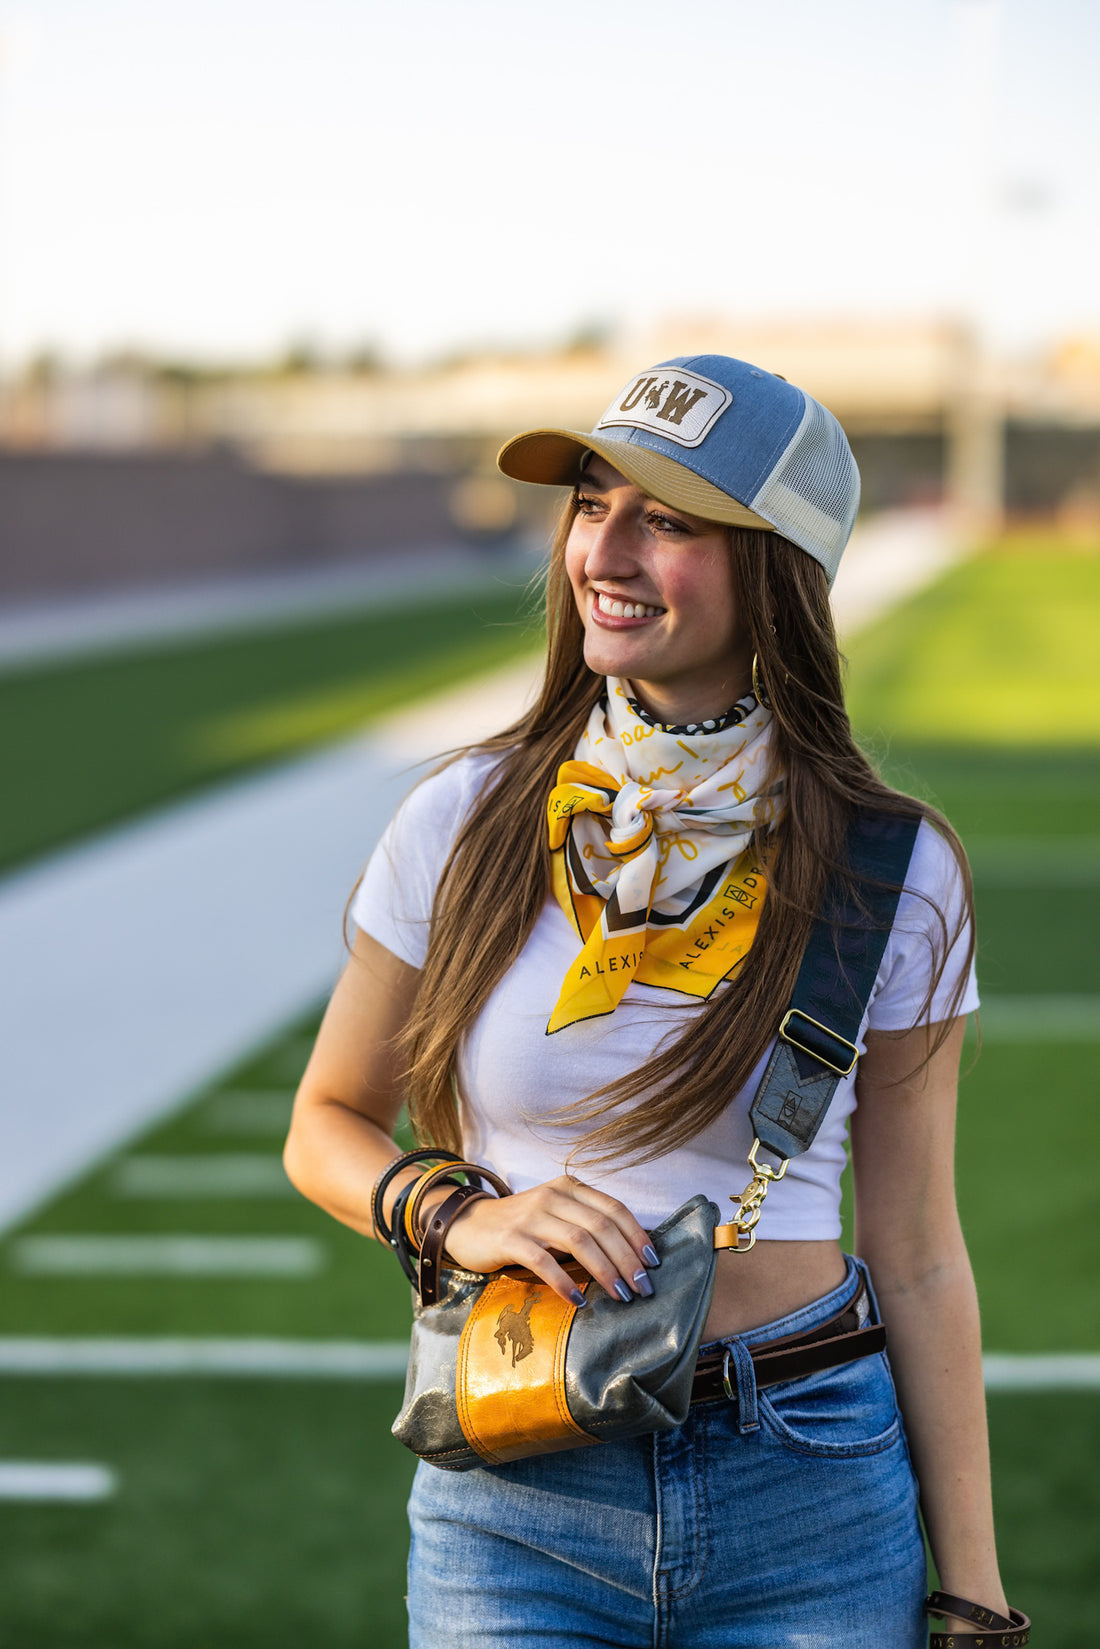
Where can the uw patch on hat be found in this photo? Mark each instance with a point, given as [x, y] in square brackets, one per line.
[720, 439]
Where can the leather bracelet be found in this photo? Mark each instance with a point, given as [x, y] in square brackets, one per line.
[995, 1631]
[379, 1224]
[442, 1174]
[433, 1248]
[398, 1241]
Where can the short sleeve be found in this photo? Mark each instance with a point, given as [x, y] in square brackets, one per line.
[932, 925]
[393, 902]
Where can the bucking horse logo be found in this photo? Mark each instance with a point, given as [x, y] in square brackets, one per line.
[516, 1326]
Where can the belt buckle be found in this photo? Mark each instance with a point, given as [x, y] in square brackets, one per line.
[730, 1391]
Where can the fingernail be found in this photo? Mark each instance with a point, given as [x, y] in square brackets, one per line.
[642, 1283]
[578, 1298]
[650, 1255]
[622, 1291]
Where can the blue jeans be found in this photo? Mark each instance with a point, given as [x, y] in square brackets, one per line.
[785, 1521]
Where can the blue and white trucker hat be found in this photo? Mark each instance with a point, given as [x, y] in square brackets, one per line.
[720, 439]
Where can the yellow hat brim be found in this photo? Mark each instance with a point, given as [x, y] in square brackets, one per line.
[552, 458]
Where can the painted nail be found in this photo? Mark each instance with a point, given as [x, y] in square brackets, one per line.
[622, 1291]
[578, 1298]
[642, 1283]
[650, 1255]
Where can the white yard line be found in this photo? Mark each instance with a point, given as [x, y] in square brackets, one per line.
[73, 1481]
[248, 1111]
[1050, 1371]
[387, 1359]
[1040, 1018]
[223, 1175]
[162, 1256]
[263, 1358]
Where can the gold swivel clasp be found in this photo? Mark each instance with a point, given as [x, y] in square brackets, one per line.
[740, 1233]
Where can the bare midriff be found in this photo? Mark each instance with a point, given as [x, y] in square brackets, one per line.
[770, 1281]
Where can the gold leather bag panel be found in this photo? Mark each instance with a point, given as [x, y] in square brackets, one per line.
[510, 1379]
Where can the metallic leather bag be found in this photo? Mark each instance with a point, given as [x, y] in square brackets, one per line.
[502, 1367]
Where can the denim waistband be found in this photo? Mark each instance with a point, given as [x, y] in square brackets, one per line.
[807, 1316]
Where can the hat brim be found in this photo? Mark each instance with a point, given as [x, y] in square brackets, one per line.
[552, 458]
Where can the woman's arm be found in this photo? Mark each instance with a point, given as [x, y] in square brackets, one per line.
[349, 1099]
[341, 1137]
[907, 1229]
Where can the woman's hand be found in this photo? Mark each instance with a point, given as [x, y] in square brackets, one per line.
[562, 1217]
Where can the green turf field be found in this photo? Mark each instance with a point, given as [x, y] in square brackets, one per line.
[87, 745]
[268, 1511]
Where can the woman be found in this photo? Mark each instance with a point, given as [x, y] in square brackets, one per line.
[692, 662]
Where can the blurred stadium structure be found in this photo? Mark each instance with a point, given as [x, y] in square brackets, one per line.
[142, 472]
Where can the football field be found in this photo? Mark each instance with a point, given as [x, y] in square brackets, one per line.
[199, 1369]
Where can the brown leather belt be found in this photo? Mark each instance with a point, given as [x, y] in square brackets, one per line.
[839, 1340]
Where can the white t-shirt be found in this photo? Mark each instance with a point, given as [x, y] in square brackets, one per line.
[512, 1074]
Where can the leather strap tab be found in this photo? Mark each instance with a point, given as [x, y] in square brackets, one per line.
[993, 1630]
[432, 1248]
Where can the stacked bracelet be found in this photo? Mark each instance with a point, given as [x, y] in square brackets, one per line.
[444, 1174]
[392, 1231]
[381, 1226]
[996, 1631]
[404, 1232]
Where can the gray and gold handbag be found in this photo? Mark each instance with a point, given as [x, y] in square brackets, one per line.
[502, 1367]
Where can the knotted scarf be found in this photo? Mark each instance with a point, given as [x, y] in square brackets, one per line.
[651, 847]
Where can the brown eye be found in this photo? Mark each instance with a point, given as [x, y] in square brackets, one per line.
[666, 523]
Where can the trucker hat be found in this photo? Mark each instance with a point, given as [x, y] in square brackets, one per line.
[720, 439]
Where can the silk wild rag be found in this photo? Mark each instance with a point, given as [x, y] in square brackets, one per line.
[651, 845]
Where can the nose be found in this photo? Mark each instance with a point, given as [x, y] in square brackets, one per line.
[612, 547]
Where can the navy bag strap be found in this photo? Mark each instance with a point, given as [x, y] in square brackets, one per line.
[817, 1039]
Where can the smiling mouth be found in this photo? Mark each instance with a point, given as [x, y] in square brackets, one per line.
[606, 606]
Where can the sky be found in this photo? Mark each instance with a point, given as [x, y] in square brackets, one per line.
[221, 178]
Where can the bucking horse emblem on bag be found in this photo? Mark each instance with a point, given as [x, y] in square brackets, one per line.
[516, 1326]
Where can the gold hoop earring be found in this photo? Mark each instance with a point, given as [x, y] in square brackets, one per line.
[761, 697]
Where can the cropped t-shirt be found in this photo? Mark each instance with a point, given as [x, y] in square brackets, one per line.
[512, 1075]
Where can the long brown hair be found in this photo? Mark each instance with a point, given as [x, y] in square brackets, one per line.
[500, 865]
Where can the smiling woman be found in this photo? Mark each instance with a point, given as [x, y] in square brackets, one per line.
[579, 956]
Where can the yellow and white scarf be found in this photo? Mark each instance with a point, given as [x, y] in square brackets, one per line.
[651, 844]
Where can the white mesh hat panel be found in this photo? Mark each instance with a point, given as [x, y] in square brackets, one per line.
[812, 494]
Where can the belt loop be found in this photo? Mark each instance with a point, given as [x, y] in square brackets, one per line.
[738, 1352]
[863, 1274]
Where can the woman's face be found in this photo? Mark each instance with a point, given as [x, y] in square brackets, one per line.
[654, 588]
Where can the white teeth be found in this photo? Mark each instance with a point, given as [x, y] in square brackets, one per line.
[625, 609]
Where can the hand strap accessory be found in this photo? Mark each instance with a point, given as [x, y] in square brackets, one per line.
[995, 1631]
